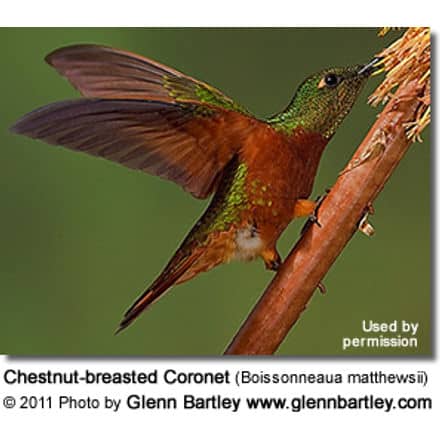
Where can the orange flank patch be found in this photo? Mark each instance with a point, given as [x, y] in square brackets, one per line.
[303, 208]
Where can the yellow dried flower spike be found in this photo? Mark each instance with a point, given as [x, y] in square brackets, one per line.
[408, 58]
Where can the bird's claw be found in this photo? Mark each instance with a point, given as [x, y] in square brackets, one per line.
[272, 259]
[273, 265]
[313, 218]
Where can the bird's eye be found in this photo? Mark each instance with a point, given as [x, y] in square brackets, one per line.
[331, 80]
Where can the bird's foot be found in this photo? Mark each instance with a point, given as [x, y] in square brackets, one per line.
[272, 259]
[313, 217]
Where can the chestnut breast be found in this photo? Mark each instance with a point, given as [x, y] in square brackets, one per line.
[281, 169]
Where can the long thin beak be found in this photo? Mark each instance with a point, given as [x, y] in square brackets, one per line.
[373, 66]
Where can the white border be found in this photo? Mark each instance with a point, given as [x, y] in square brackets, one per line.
[214, 424]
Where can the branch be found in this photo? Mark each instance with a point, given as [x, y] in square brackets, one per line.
[339, 215]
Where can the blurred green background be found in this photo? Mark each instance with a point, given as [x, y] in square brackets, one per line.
[81, 237]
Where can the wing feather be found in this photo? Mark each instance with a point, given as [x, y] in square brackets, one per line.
[166, 139]
[103, 72]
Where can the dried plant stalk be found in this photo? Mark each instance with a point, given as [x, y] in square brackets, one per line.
[345, 206]
[406, 59]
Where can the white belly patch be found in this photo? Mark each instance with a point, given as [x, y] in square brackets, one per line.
[248, 244]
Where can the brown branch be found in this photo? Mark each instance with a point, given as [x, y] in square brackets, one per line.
[289, 292]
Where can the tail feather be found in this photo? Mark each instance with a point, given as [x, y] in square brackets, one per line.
[146, 299]
[171, 274]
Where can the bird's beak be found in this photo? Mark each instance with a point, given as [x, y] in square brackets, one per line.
[374, 66]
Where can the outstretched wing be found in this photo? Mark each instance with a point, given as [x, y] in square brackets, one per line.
[148, 117]
[104, 72]
[189, 143]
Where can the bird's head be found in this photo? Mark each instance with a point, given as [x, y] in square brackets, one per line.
[323, 100]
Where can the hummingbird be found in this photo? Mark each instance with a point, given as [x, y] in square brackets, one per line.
[150, 117]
